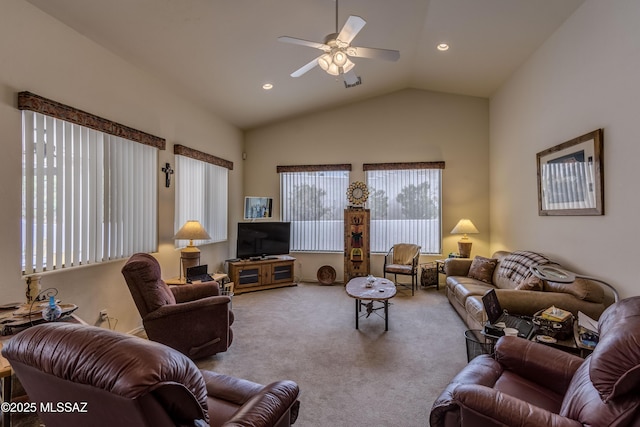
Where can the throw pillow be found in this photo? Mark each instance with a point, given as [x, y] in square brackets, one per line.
[531, 283]
[482, 269]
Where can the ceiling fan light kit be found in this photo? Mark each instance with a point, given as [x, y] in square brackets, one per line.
[337, 50]
[335, 63]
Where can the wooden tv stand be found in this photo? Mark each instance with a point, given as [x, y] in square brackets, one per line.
[266, 273]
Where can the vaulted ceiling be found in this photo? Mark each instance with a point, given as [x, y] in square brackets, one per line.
[220, 52]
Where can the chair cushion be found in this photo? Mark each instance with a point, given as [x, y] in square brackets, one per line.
[404, 253]
[465, 290]
[537, 395]
[482, 269]
[400, 269]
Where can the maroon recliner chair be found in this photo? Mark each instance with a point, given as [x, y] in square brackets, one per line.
[192, 318]
[530, 384]
[78, 375]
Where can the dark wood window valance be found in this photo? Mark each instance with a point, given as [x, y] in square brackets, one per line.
[404, 165]
[204, 157]
[31, 102]
[314, 168]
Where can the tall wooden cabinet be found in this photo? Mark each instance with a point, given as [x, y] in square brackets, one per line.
[356, 243]
[273, 272]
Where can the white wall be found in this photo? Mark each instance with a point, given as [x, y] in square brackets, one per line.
[583, 78]
[410, 125]
[41, 55]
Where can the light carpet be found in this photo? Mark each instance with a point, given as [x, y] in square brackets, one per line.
[348, 377]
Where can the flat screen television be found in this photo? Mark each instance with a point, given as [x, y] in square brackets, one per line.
[263, 239]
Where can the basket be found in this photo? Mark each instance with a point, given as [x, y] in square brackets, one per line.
[429, 274]
[558, 330]
[475, 346]
[326, 275]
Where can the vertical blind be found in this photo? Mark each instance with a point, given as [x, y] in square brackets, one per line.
[405, 206]
[88, 196]
[314, 203]
[201, 195]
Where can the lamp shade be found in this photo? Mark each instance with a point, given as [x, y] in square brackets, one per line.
[464, 226]
[192, 230]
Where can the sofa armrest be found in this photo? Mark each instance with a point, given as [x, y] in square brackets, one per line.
[189, 308]
[457, 266]
[482, 370]
[194, 291]
[547, 366]
[275, 405]
[506, 409]
[231, 389]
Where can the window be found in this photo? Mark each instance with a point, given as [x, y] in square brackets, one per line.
[88, 196]
[404, 199]
[201, 192]
[313, 199]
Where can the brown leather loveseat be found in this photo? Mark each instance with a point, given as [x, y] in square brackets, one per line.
[531, 384]
[105, 378]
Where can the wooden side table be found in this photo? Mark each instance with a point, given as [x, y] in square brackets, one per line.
[218, 277]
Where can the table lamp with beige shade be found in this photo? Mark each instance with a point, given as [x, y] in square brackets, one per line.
[464, 227]
[190, 255]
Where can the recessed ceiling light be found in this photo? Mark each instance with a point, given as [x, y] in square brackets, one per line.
[267, 86]
[443, 47]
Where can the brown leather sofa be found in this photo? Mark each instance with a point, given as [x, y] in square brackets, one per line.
[518, 291]
[531, 384]
[194, 319]
[105, 378]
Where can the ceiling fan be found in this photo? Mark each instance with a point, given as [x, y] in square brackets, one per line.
[337, 50]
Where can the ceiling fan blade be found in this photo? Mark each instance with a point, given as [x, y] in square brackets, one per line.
[374, 53]
[350, 78]
[351, 29]
[300, 71]
[301, 42]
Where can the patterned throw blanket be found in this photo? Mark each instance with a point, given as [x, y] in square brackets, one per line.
[515, 266]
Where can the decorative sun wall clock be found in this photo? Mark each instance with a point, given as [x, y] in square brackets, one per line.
[357, 193]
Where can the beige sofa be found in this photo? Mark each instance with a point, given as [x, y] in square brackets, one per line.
[519, 292]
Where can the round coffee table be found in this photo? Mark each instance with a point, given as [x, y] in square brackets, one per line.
[382, 290]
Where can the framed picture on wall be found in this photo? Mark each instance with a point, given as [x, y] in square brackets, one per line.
[258, 207]
[571, 177]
